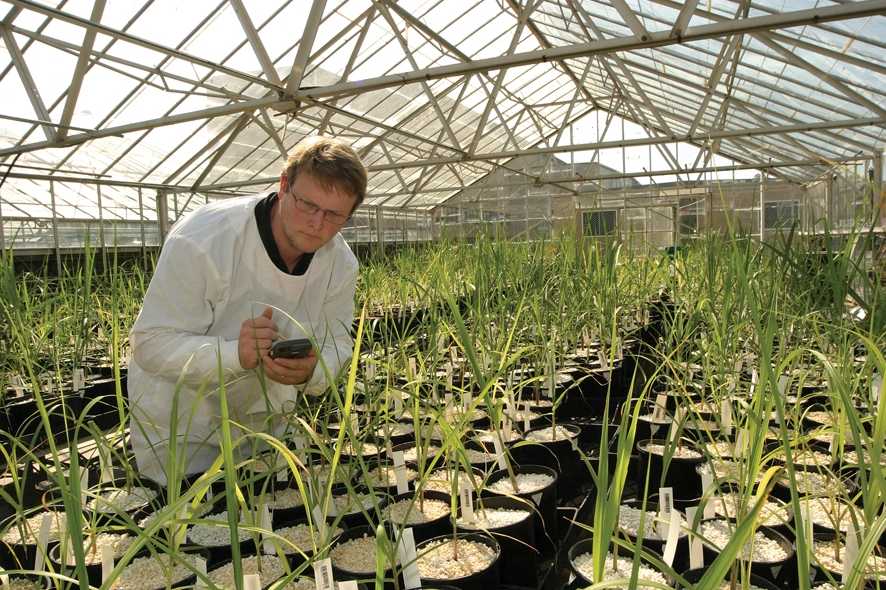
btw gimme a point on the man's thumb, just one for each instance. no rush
(268, 312)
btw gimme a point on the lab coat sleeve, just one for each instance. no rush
(336, 344)
(169, 337)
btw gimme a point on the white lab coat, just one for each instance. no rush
(213, 273)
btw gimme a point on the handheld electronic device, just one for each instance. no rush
(294, 348)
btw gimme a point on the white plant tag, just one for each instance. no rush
(4, 578)
(536, 498)
(499, 453)
(877, 388)
(251, 582)
(850, 555)
(107, 562)
(585, 338)
(679, 416)
(507, 428)
(783, 381)
(449, 371)
(180, 528)
(707, 484)
(659, 412)
(200, 566)
(408, 559)
(467, 400)
(267, 544)
(665, 509)
(754, 378)
(527, 414)
(466, 501)
(18, 385)
(370, 371)
(447, 400)
(807, 523)
(42, 540)
(320, 522)
(389, 449)
(400, 473)
(551, 378)
(348, 585)
(726, 416)
(323, 579)
(78, 380)
(412, 368)
(670, 548)
(696, 552)
(84, 484)
(453, 354)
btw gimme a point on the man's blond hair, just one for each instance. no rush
(331, 162)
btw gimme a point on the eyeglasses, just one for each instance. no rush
(309, 207)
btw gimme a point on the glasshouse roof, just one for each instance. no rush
(437, 95)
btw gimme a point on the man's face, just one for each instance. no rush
(311, 213)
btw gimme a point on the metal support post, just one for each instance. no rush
(141, 228)
(162, 215)
(58, 258)
(101, 228)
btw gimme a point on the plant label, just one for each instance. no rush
(200, 567)
(389, 449)
(251, 582)
(408, 559)
(348, 585)
(78, 380)
(453, 354)
(507, 428)
(696, 552)
(447, 400)
(679, 417)
(43, 540)
(877, 388)
(499, 451)
(179, 526)
(46, 386)
(320, 522)
(754, 378)
(527, 414)
(536, 498)
(707, 485)
(107, 562)
(585, 338)
(266, 524)
(659, 412)
(370, 371)
(806, 517)
(666, 502)
(670, 548)
(18, 385)
(850, 556)
(466, 501)
(323, 579)
(400, 473)
(4, 578)
(783, 381)
(467, 400)
(726, 416)
(413, 371)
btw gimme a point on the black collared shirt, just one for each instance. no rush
(263, 220)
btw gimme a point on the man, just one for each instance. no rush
(233, 277)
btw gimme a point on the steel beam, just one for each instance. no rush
(73, 91)
(27, 81)
(258, 47)
(630, 19)
(304, 46)
(683, 18)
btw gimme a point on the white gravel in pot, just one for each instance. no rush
(439, 481)
(820, 417)
(351, 504)
(651, 418)
(161, 571)
(720, 449)
(487, 436)
(705, 407)
(437, 561)
(725, 470)
(27, 531)
(678, 452)
(823, 553)
(814, 484)
(550, 435)
(394, 429)
(454, 413)
(416, 511)
(411, 453)
(621, 570)
(121, 500)
(851, 458)
(527, 483)
(283, 499)
(726, 585)
(772, 514)
(324, 473)
(476, 456)
(303, 537)
(831, 513)
(629, 522)
(365, 449)
(356, 555)
(541, 403)
(20, 584)
(490, 519)
(826, 586)
(807, 457)
(303, 583)
(384, 476)
(95, 544)
(761, 549)
(268, 567)
(518, 416)
(215, 535)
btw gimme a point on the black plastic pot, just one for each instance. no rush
(681, 557)
(422, 531)
(820, 573)
(343, 574)
(519, 557)
(217, 554)
(357, 518)
(135, 514)
(586, 546)
(544, 500)
(693, 576)
(21, 555)
(679, 474)
(93, 571)
(488, 578)
(781, 573)
(560, 455)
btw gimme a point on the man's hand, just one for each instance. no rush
(256, 336)
(289, 371)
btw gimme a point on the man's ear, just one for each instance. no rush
(284, 183)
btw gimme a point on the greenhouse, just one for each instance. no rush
(443, 294)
